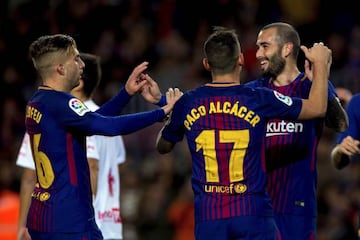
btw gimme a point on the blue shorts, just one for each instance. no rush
(91, 235)
(295, 227)
(236, 228)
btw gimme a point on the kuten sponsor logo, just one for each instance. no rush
(283, 128)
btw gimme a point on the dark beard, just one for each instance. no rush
(276, 66)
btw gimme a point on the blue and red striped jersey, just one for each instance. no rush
(225, 128)
(58, 124)
(291, 153)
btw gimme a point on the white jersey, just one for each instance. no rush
(110, 152)
(24, 157)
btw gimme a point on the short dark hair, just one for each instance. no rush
(287, 33)
(46, 49)
(91, 74)
(50, 44)
(222, 50)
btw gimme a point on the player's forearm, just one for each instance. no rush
(316, 104)
(125, 124)
(163, 146)
(319, 91)
(28, 181)
(94, 171)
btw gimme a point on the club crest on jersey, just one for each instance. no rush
(78, 107)
(285, 99)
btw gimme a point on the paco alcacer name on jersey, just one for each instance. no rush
(275, 128)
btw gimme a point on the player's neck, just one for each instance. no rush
(52, 86)
(226, 79)
(286, 77)
(57, 84)
(80, 96)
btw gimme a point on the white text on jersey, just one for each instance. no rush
(283, 128)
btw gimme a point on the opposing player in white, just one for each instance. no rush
(105, 154)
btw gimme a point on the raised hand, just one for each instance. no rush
(349, 146)
(317, 54)
(136, 79)
(150, 91)
(172, 96)
(341, 154)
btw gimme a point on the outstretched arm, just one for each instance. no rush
(129, 123)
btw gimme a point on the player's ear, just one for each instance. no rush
(60, 69)
(241, 59)
(287, 49)
(206, 64)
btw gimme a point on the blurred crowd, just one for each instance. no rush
(156, 193)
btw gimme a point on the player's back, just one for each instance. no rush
(62, 201)
(224, 127)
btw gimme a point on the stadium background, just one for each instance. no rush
(156, 195)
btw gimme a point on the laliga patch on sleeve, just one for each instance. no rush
(78, 107)
(285, 99)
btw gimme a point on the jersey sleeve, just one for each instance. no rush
(173, 130)
(277, 105)
(77, 116)
(115, 105)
